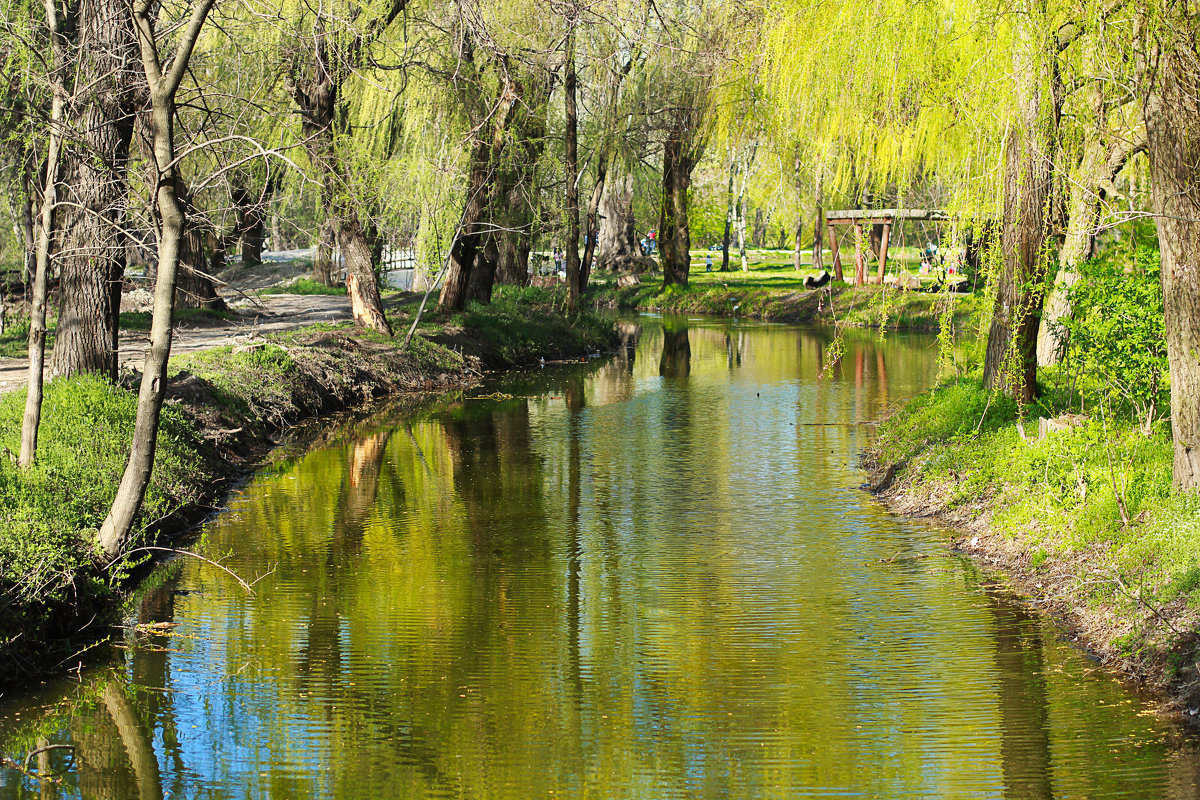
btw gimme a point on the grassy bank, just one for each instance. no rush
(1082, 519)
(779, 295)
(224, 408)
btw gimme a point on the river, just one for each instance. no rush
(648, 576)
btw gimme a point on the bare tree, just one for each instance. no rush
(172, 222)
(32, 418)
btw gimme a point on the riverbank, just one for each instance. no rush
(225, 408)
(771, 299)
(1076, 510)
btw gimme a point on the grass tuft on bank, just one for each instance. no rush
(522, 324)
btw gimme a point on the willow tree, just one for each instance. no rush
(324, 46)
(1168, 64)
(685, 71)
(503, 68)
(897, 105)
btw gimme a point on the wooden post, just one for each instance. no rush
(859, 279)
(883, 248)
(833, 246)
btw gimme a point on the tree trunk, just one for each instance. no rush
(673, 232)
(1010, 363)
(593, 218)
(118, 525)
(571, 165)
(90, 249)
(32, 418)
(616, 246)
(485, 157)
(799, 233)
(483, 273)
(760, 229)
(1100, 165)
(730, 213)
(325, 268)
(818, 254)
(1171, 106)
(455, 289)
(324, 117)
(741, 221)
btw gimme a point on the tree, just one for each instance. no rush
(1168, 65)
(89, 248)
(319, 65)
(1010, 364)
(574, 287)
(32, 417)
(504, 88)
(163, 81)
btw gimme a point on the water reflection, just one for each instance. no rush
(1024, 707)
(645, 577)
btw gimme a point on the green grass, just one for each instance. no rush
(770, 292)
(522, 324)
(306, 286)
(50, 512)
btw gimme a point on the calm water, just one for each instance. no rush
(649, 577)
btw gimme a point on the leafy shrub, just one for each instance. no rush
(1117, 350)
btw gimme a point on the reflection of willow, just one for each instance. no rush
(676, 361)
(631, 334)
(113, 749)
(733, 349)
(359, 491)
(321, 654)
(575, 404)
(1024, 723)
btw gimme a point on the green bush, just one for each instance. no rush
(1117, 352)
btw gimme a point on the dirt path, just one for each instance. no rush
(266, 314)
